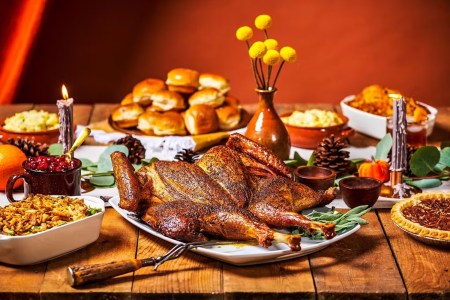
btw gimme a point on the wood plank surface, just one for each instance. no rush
(360, 266)
(117, 241)
(190, 276)
(289, 279)
(425, 269)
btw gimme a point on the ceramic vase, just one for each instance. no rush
(266, 127)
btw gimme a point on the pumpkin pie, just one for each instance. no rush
(425, 214)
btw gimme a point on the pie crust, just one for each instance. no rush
(398, 216)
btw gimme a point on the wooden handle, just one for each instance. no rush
(78, 275)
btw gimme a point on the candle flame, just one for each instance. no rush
(64, 92)
(395, 96)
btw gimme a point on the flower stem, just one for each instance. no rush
(265, 33)
(255, 73)
(263, 79)
(269, 70)
(278, 73)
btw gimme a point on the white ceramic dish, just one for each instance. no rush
(54, 242)
(374, 125)
(241, 254)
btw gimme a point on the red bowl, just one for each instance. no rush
(48, 137)
(310, 137)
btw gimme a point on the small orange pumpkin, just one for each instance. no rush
(378, 169)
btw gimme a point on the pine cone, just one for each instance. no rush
(410, 149)
(29, 147)
(136, 150)
(187, 155)
(330, 154)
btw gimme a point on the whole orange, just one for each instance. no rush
(11, 159)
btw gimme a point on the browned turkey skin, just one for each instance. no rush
(232, 192)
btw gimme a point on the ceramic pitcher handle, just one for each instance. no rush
(10, 186)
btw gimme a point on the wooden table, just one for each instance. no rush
(377, 262)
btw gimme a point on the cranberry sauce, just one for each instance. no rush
(51, 164)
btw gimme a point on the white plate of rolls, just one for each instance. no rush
(186, 103)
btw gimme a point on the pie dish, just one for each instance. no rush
(424, 215)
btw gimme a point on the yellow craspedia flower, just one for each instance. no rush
(263, 22)
(271, 44)
(244, 33)
(257, 50)
(271, 57)
(288, 54)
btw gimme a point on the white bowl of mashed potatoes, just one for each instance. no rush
(308, 128)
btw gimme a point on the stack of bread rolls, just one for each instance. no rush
(188, 102)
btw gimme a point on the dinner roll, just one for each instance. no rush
(211, 80)
(201, 118)
(143, 90)
(229, 117)
(162, 123)
(165, 100)
(182, 80)
(127, 99)
(127, 115)
(209, 96)
(233, 101)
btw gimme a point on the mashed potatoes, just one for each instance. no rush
(32, 121)
(313, 118)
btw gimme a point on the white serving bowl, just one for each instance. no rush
(54, 242)
(374, 125)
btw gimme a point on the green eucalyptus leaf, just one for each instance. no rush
(104, 161)
(86, 163)
(425, 183)
(55, 149)
(102, 181)
(424, 160)
(92, 168)
(299, 159)
(311, 159)
(445, 144)
(445, 157)
(383, 147)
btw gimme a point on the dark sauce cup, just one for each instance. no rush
(317, 178)
(65, 182)
(358, 191)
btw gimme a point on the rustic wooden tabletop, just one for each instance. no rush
(377, 262)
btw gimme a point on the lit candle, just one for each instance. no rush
(65, 112)
(398, 164)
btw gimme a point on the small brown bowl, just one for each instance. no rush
(317, 178)
(48, 137)
(358, 191)
(310, 137)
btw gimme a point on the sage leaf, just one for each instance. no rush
(102, 181)
(299, 159)
(423, 160)
(55, 149)
(104, 161)
(426, 183)
(383, 147)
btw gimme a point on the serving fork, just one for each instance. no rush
(82, 274)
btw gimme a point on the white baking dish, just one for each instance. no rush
(54, 242)
(374, 125)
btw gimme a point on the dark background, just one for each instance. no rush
(100, 49)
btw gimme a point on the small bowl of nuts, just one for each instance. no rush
(308, 128)
(38, 125)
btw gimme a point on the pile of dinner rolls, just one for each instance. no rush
(188, 102)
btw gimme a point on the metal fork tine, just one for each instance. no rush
(179, 249)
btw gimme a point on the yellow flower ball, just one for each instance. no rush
(257, 50)
(288, 54)
(244, 33)
(271, 57)
(263, 22)
(271, 44)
